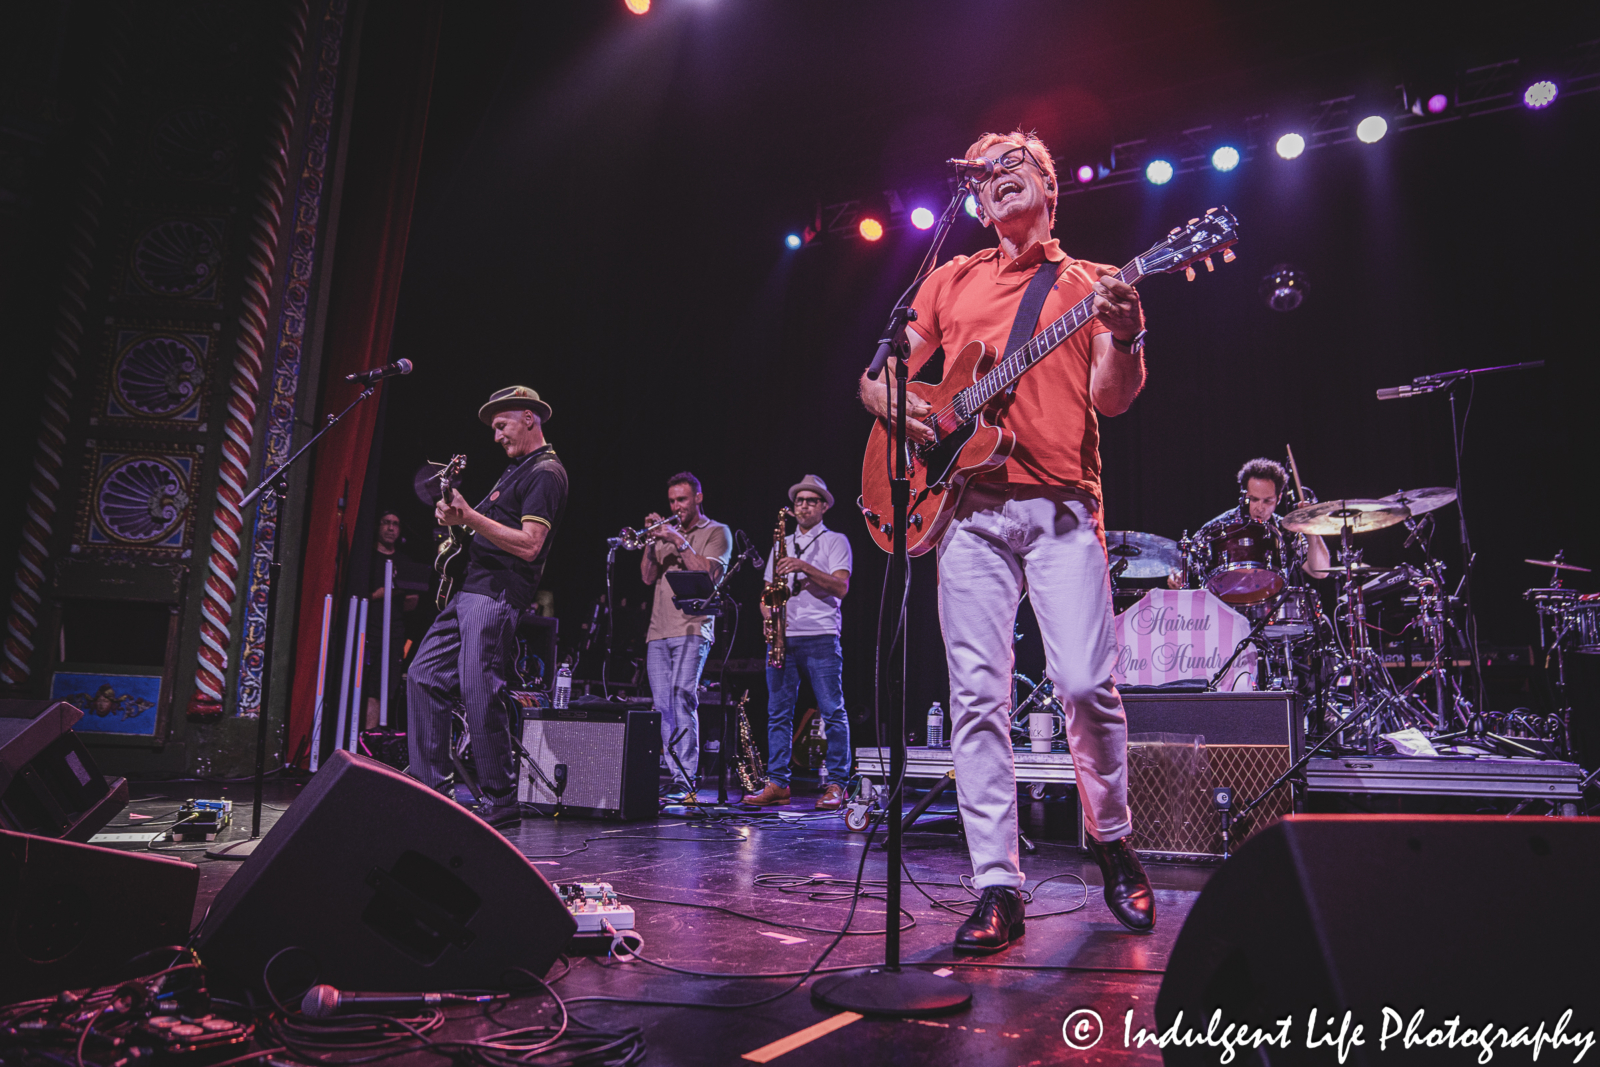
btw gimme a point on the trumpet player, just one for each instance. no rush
(815, 563)
(677, 644)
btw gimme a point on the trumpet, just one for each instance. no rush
(633, 540)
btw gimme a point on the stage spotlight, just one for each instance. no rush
(1159, 172)
(1085, 174)
(793, 241)
(1291, 145)
(1225, 158)
(972, 205)
(1540, 94)
(1371, 129)
(921, 218)
(1283, 288)
(638, 7)
(1437, 103)
(871, 229)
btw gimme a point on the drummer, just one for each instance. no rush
(1261, 483)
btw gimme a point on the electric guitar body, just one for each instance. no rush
(939, 471)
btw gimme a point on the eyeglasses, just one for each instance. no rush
(808, 501)
(1013, 159)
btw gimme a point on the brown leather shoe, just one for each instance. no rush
(832, 798)
(772, 794)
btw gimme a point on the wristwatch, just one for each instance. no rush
(1135, 345)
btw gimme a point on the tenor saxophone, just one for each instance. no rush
(748, 765)
(775, 596)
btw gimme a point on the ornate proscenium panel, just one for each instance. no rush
(157, 376)
(194, 144)
(176, 257)
(138, 499)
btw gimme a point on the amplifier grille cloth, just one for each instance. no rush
(1169, 793)
(593, 753)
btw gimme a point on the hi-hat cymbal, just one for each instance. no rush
(1148, 555)
(1421, 501)
(1556, 563)
(1330, 517)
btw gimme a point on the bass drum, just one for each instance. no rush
(1246, 563)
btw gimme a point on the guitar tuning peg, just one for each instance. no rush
(1193, 221)
(1209, 267)
(1188, 272)
(1174, 231)
(1228, 256)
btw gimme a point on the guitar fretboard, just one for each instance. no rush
(971, 399)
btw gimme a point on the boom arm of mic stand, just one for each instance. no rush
(280, 471)
(1266, 617)
(1305, 757)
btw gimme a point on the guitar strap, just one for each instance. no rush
(1028, 311)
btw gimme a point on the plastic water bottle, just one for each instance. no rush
(563, 684)
(936, 726)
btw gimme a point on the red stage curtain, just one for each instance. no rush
(393, 85)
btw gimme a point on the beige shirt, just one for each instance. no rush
(709, 539)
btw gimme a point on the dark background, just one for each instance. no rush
(604, 198)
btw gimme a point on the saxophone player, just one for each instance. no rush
(815, 562)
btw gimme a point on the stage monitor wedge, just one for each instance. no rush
(379, 883)
(1485, 919)
(49, 783)
(75, 915)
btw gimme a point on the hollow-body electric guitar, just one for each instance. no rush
(966, 441)
(450, 561)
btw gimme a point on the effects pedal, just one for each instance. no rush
(202, 820)
(594, 903)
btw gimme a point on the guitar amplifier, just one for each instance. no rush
(1249, 740)
(612, 755)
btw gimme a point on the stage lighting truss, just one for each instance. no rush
(1479, 91)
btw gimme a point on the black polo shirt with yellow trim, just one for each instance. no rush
(533, 488)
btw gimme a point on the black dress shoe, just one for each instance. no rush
(995, 922)
(1128, 892)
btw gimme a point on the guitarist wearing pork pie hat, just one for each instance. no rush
(463, 657)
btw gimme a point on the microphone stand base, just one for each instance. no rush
(878, 991)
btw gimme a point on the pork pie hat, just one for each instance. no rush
(511, 399)
(813, 483)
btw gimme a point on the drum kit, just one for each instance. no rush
(1339, 663)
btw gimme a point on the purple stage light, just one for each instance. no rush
(921, 218)
(1540, 94)
(1437, 103)
(1085, 174)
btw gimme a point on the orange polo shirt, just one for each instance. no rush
(975, 298)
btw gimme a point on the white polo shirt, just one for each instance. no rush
(828, 550)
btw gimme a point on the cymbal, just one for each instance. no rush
(1421, 501)
(1148, 555)
(1557, 564)
(1330, 517)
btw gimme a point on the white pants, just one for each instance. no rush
(1051, 547)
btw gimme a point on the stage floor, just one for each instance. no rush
(1075, 955)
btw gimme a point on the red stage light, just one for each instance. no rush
(871, 229)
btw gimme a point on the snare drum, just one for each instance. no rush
(1246, 563)
(1296, 614)
(1583, 618)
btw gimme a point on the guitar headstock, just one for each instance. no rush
(450, 474)
(1195, 241)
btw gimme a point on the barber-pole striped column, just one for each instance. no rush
(227, 522)
(22, 620)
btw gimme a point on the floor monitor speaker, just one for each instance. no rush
(379, 883)
(76, 915)
(1479, 919)
(49, 784)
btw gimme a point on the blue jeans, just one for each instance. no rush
(674, 665)
(823, 662)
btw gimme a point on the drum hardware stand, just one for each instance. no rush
(1447, 381)
(1305, 757)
